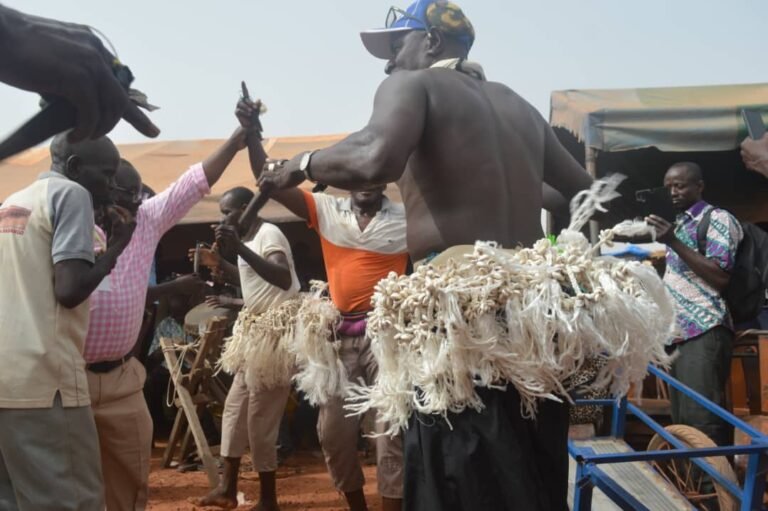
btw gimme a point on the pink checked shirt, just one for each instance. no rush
(117, 306)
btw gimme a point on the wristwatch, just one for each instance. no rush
(306, 159)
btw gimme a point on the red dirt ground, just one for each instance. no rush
(302, 484)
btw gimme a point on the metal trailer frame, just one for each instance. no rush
(589, 475)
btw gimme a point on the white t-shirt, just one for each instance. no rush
(258, 294)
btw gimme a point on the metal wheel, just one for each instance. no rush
(692, 482)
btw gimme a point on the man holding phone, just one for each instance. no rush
(698, 270)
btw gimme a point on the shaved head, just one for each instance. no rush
(685, 183)
(90, 163)
(692, 170)
(236, 198)
(61, 150)
(233, 203)
(101, 149)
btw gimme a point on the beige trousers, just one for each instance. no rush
(49, 460)
(338, 433)
(125, 434)
(252, 419)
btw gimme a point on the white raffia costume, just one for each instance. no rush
(260, 346)
(528, 318)
(321, 375)
(291, 341)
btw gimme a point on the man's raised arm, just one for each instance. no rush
(291, 198)
(378, 153)
(561, 170)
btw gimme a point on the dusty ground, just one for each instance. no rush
(302, 484)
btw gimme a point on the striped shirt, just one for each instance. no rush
(700, 307)
(355, 260)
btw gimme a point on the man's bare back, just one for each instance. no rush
(478, 169)
(470, 156)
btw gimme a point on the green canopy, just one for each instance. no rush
(679, 119)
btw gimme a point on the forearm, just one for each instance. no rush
(702, 266)
(78, 286)
(275, 274)
(359, 160)
(154, 293)
(230, 272)
(215, 165)
(256, 155)
(233, 303)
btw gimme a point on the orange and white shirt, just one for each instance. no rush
(355, 260)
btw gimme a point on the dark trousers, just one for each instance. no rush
(704, 364)
(489, 461)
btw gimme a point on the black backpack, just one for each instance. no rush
(745, 294)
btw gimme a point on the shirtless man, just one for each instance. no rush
(470, 157)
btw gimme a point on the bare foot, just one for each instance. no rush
(216, 499)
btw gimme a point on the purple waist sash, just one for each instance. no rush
(352, 325)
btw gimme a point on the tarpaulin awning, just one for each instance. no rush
(678, 119)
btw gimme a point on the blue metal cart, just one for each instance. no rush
(632, 480)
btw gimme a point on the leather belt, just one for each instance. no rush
(109, 365)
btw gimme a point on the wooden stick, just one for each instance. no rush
(252, 211)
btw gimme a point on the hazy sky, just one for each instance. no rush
(305, 59)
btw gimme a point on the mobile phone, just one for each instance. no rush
(656, 201)
(754, 121)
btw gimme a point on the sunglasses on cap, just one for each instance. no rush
(395, 14)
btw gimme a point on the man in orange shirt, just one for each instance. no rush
(362, 239)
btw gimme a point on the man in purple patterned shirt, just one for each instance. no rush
(696, 278)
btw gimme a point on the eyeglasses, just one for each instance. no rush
(396, 14)
(135, 196)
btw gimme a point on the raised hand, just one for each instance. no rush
(245, 110)
(226, 236)
(755, 154)
(282, 176)
(206, 257)
(67, 60)
(123, 223)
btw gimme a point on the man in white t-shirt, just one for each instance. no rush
(254, 405)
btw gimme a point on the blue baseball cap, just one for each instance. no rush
(420, 15)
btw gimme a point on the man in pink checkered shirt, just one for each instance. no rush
(115, 378)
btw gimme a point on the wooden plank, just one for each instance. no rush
(209, 345)
(186, 445)
(762, 353)
(179, 427)
(737, 389)
(190, 410)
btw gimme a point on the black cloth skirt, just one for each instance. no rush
(489, 461)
